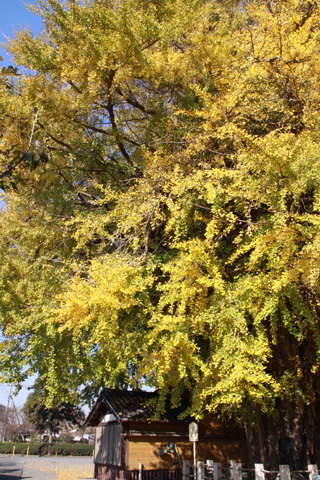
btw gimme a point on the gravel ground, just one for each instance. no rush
(52, 468)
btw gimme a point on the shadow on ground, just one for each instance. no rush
(11, 469)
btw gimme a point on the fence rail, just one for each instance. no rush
(211, 470)
(161, 474)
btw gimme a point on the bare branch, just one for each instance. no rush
(32, 131)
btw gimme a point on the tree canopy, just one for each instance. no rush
(51, 419)
(160, 163)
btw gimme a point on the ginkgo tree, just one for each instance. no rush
(160, 162)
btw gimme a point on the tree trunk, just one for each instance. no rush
(50, 442)
(282, 440)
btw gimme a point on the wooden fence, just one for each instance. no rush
(211, 470)
(158, 474)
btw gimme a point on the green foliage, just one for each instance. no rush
(45, 418)
(6, 448)
(73, 449)
(38, 448)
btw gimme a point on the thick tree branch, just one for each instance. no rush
(60, 142)
(131, 99)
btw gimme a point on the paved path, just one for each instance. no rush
(11, 468)
(46, 468)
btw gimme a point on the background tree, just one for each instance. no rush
(18, 428)
(14, 425)
(50, 420)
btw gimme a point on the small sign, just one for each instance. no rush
(193, 432)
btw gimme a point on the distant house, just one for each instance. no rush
(126, 436)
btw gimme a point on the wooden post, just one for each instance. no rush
(232, 464)
(210, 469)
(210, 464)
(259, 471)
(200, 470)
(140, 471)
(239, 471)
(284, 472)
(194, 437)
(185, 469)
(235, 470)
(313, 472)
(217, 471)
(214, 469)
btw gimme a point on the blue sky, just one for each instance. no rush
(20, 398)
(15, 15)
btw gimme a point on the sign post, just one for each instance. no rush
(193, 437)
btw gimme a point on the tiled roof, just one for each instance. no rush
(131, 405)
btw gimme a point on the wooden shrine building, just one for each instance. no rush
(127, 435)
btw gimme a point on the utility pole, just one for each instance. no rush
(5, 422)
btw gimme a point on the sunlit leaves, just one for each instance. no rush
(167, 155)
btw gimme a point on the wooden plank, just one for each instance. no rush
(104, 444)
(117, 445)
(110, 452)
(97, 446)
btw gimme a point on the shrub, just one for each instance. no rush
(40, 448)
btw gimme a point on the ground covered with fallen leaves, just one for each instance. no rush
(58, 468)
